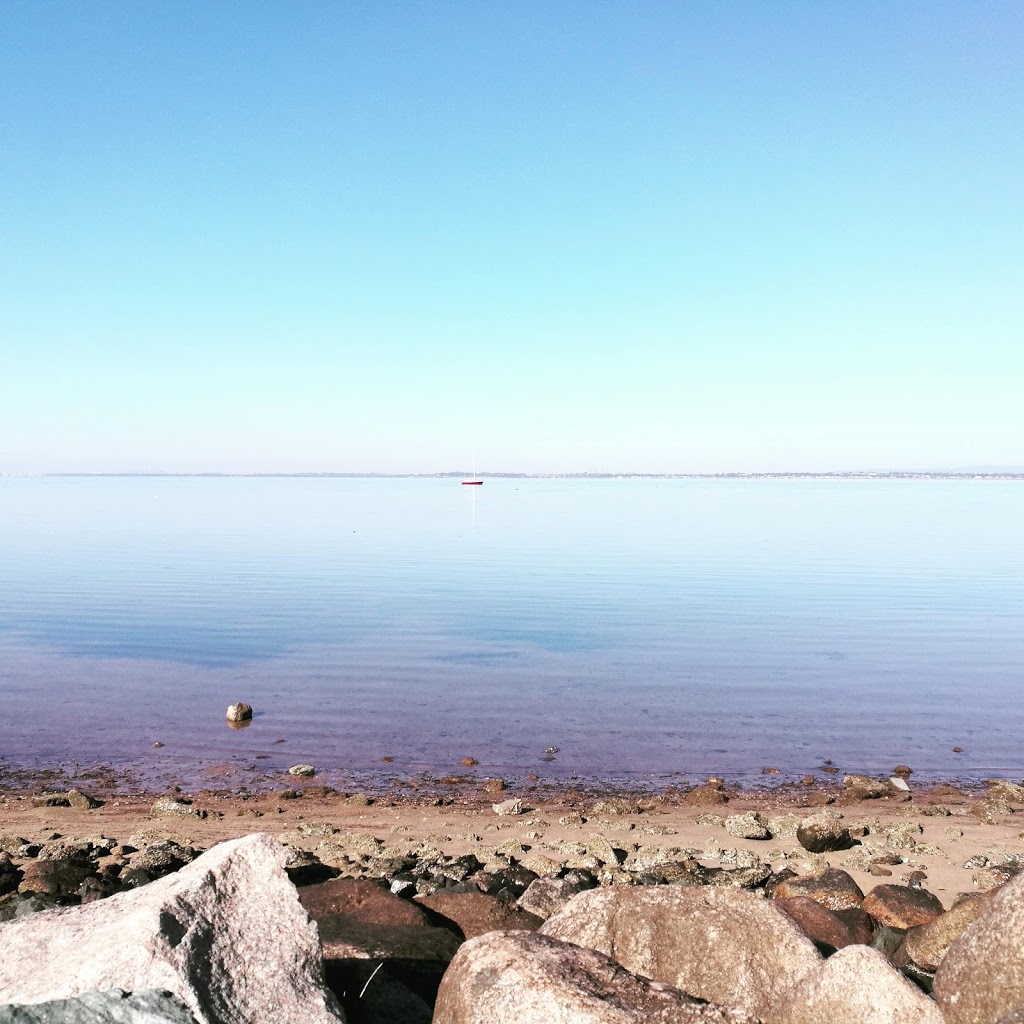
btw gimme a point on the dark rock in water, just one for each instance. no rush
(901, 906)
(831, 887)
(474, 913)
(823, 833)
(112, 1007)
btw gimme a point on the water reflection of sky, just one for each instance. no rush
(635, 612)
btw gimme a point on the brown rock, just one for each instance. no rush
(927, 944)
(821, 833)
(54, 877)
(728, 946)
(903, 770)
(494, 785)
(469, 761)
(981, 977)
(527, 978)
(475, 913)
(818, 799)
(832, 888)
(863, 787)
(362, 899)
(855, 986)
(701, 796)
(360, 919)
(901, 906)
(819, 924)
(860, 924)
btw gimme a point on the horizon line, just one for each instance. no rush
(951, 474)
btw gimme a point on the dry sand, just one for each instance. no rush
(462, 820)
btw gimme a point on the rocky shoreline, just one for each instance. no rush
(482, 902)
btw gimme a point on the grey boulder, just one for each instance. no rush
(113, 1007)
(226, 934)
(728, 946)
(527, 978)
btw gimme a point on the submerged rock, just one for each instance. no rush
(239, 712)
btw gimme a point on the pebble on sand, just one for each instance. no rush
(303, 770)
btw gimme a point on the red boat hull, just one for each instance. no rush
(472, 483)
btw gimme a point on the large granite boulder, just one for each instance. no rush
(226, 934)
(113, 1007)
(728, 946)
(527, 978)
(981, 977)
(855, 986)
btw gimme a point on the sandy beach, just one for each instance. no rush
(946, 832)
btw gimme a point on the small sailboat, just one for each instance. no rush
(474, 480)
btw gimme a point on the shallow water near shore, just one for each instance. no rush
(643, 628)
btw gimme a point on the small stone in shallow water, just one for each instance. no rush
(469, 761)
(303, 770)
(239, 712)
(157, 745)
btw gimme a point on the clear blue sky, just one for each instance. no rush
(564, 236)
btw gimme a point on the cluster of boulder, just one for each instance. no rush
(325, 925)
(228, 939)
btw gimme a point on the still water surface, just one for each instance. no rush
(641, 627)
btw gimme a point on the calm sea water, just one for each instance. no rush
(644, 628)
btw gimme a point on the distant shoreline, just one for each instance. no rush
(457, 474)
